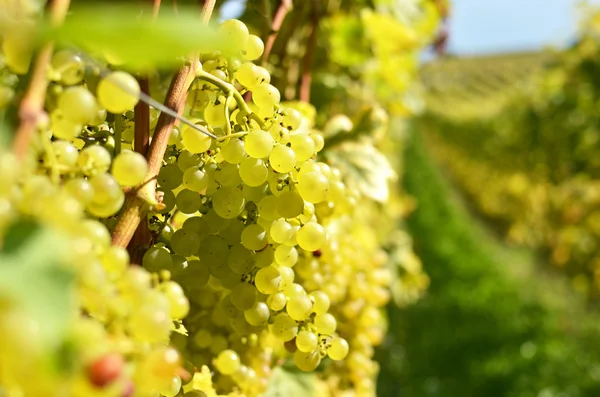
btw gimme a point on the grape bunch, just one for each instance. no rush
(253, 247)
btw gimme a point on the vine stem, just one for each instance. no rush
(31, 110)
(142, 199)
(284, 7)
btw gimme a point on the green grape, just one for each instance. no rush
(227, 306)
(299, 307)
(69, 65)
(248, 75)
(115, 260)
(307, 361)
(202, 338)
(234, 151)
(259, 144)
(98, 118)
(287, 279)
(108, 197)
(215, 222)
(195, 275)
(77, 105)
(290, 204)
(240, 259)
(264, 257)
(187, 201)
(234, 34)
(195, 180)
(262, 75)
(313, 187)
(325, 323)
(284, 327)
(254, 237)
(254, 48)
(320, 301)
(214, 114)
(213, 251)
(286, 255)
(338, 350)
(219, 344)
(303, 146)
(244, 296)
(255, 193)
(184, 242)
(195, 141)
(94, 160)
(265, 95)
(292, 118)
(267, 208)
(258, 314)
(187, 160)
(306, 341)
(178, 303)
(233, 232)
(282, 159)
(311, 236)
(276, 301)
(197, 225)
(267, 280)
(65, 153)
(180, 264)
(175, 136)
(172, 389)
(118, 92)
(228, 175)
(253, 172)
(169, 177)
(280, 231)
(149, 324)
(197, 100)
(168, 200)
(129, 168)
(96, 232)
(228, 202)
(157, 258)
(318, 140)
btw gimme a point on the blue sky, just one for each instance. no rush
(491, 26)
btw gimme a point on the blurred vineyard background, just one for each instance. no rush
(504, 165)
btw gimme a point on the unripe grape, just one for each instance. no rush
(311, 236)
(129, 168)
(240, 259)
(157, 258)
(267, 208)
(286, 255)
(321, 302)
(338, 350)
(118, 92)
(276, 301)
(290, 204)
(280, 231)
(284, 327)
(214, 114)
(170, 177)
(185, 242)
(202, 338)
(306, 341)
(234, 151)
(195, 179)
(188, 201)
(77, 104)
(303, 146)
(234, 34)
(94, 160)
(244, 296)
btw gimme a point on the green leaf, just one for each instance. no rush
(364, 167)
(128, 36)
(33, 280)
(288, 383)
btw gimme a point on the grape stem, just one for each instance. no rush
(284, 7)
(31, 110)
(141, 200)
(229, 89)
(118, 132)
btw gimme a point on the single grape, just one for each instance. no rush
(258, 314)
(118, 92)
(234, 151)
(214, 114)
(282, 159)
(267, 208)
(303, 146)
(77, 105)
(299, 307)
(254, 237)
(267, 280)
(290, 204)
(65, 153)
(170, 177)
(195, 179)
(254, 48)
(259, 144)
(228, 202)
(94, 160)
(185, 242)
(284, 327)
(307, 361)
(69, 65)
(157, 258)
(240, 259)
(194, 140)
(311, 236)
(234, 34)
(338, 350)
(306, 341)
(172, 388)
(313, 187)
(244, 296)
(286, 255)
(265, 95)
(197, 100)
(129, 168)
(321, 302)
(325, 323)
(276, 301)
(188, 201)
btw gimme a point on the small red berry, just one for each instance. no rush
(106, 369)
(317, 253)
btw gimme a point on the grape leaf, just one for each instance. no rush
(132, 38)
(364, 167)
(289, 383)
(32, 278)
